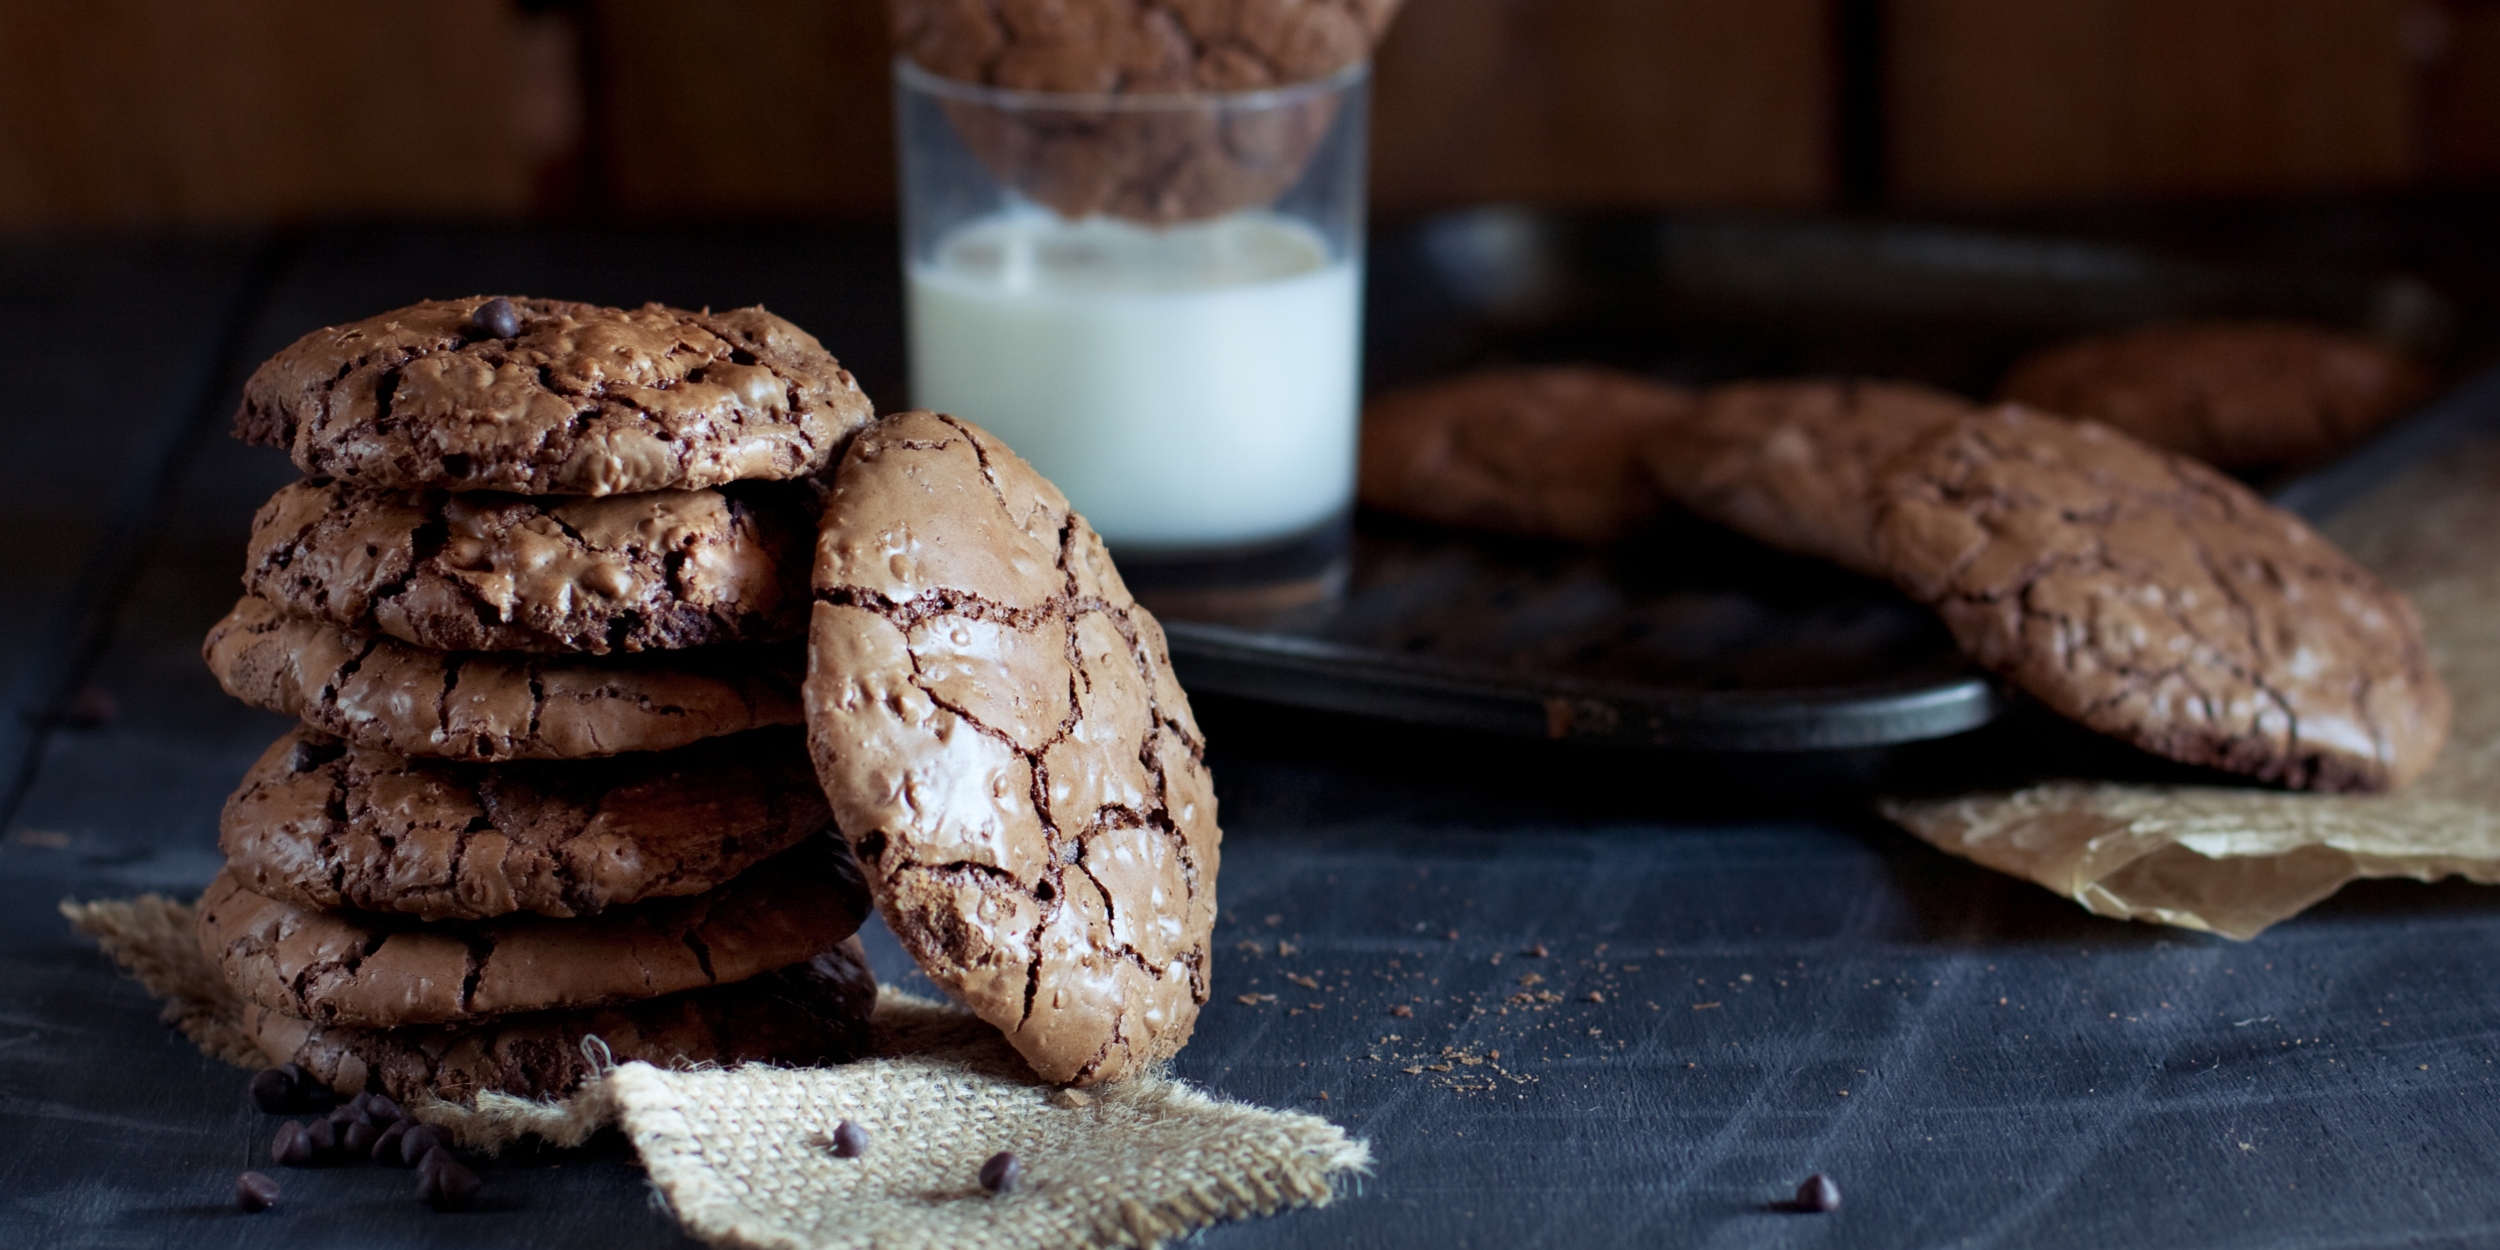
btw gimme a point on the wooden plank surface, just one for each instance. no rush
(1733, 992)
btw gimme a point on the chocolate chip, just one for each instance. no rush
(1001, 1172)
(273, 1091)
(383, 1111)
(850, 1141)
(352, 1113)
(255, 1193)
(386, 1147)
(311, 1091)
(418, 1142)
(294, 1147)
(1818, 1194)
(444, 1183)
(497, 317)
(358, 1138)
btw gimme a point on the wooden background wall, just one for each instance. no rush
(152, 112)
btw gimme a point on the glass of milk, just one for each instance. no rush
(1156, 299)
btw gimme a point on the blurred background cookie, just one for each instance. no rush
(1554, 451)
(2245, 396)
(1792, 463)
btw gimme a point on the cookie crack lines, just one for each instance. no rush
(2159, 602)
(983, 698)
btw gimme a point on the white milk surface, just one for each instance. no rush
(1192, 387)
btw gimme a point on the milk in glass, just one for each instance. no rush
(1190, 387)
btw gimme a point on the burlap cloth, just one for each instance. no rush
(2237, 860)
(740, 1154)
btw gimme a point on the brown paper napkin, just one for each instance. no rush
(2237, 860)
(740, 1154)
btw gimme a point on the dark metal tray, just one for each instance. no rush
(1687, 637)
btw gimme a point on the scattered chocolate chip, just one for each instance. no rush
(273, 1091)
(1818, 1194)
(380, 1108)
(850, 1141)
(314, 1094)
(386, 1147)
(293, 1147)
(324, 1137)
(352, 1113)
(497, 317)
(358, 1138)
(444, 1183)
(418, 1142)
(255, 1193)
(1001, 1172)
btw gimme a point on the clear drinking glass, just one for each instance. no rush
(1156, 299)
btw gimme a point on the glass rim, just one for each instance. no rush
(913, 76)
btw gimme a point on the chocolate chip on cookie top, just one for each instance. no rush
(2241, 395)
(323, 824)
(1096, 46)
(2154, 599)
(382, 693)
(811, 1013)
(998, 729)
(581, 400)
(1554, 451)
(486, 571)
(385, 971)
(1792, 464)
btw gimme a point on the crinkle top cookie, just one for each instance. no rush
(1096, 46)
(576, 400)
(1003, 744)
(2155, 600)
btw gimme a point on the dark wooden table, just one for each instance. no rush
(1735, 988)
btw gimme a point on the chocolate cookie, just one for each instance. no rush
(1548, 451)
(322, 824)
(1181, 160)
(2156, 600)
(386, 971)
(1793, 463)
(811, 1013)
(2242, 395)
(578, 400)
(484, 571)
(997, 727)
(385, 694)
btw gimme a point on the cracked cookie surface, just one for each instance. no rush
(584, 400)
(486, 571)
(811, 1013)
(322, 824)
(1138, 46)
(385, 694)
(1793, 464)
(372, 971)
(2153, 599)
(999, 733)
(1555, 451)
(1160, 165)
(2249, 396)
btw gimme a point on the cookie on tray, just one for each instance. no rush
(383, 971)
(2156, 600)
(545, 397)
(1553, 452)
(2248, 396)
(998, 730)
(323, 824)
(385, 694)
(485, 571)
(1792, 464)
(815, 1012)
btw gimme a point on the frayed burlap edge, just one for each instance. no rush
(739, 1154)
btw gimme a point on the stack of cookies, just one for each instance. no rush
(539, 605)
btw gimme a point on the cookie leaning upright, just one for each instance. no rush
(2156, 600)
(1002, 742)
(576, 400)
